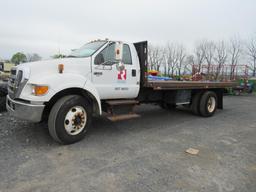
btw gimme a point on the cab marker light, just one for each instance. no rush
(61, 68)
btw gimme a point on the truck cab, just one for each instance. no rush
(100, 76)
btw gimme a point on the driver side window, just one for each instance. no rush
(107, 54)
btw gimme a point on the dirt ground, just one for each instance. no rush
(144, 154)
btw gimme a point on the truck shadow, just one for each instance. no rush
(151, 117)
(26, 134)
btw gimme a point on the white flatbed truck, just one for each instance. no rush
(102, 76)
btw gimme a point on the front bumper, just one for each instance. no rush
(24, 110)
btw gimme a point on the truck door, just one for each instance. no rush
(109, 80)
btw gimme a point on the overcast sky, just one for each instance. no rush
(45, 26)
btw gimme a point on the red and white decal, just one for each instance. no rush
(121, 75)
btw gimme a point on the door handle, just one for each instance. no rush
(97, 73)
(133, 72)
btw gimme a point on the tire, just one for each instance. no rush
(65, 114)
(3, 93)
(195, 103)
(208, 104)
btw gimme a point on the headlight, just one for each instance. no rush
(39, 90)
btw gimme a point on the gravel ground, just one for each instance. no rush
(145, 154)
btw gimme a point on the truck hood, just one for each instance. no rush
(40, 69)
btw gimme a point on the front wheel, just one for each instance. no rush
(70, 119)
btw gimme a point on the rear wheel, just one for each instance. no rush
(195, 103)
(70, 119)
(208, 104)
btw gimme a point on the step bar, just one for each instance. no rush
(115, 118)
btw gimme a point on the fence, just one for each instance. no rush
(220, 73)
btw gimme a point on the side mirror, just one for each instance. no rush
(119, 51)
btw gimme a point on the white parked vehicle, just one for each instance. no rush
(109, 76)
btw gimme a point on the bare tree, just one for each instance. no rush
(171, 58)
(165, 61)
(156, 57)
(209, 50)
(251, 52)
(220, 57)
(199, 55)
(235, 52)
(181, 58)
(189, 63)
(151, 58)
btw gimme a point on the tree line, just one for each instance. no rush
(20, 57)
(174, 59)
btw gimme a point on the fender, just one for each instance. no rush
(89, 87)
(57, 83)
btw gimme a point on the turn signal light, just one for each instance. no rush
(40, 90)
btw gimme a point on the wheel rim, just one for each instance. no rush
(75, 120)
(211, 104)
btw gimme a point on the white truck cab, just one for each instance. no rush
(100, 76)
(95, 70)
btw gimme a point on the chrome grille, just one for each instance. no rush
(14, 82)
(11, 84)
(11, 81)
(18, 79)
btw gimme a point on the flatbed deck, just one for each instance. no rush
(142, 50)
(174, 85)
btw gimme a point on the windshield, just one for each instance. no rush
(87, 50)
